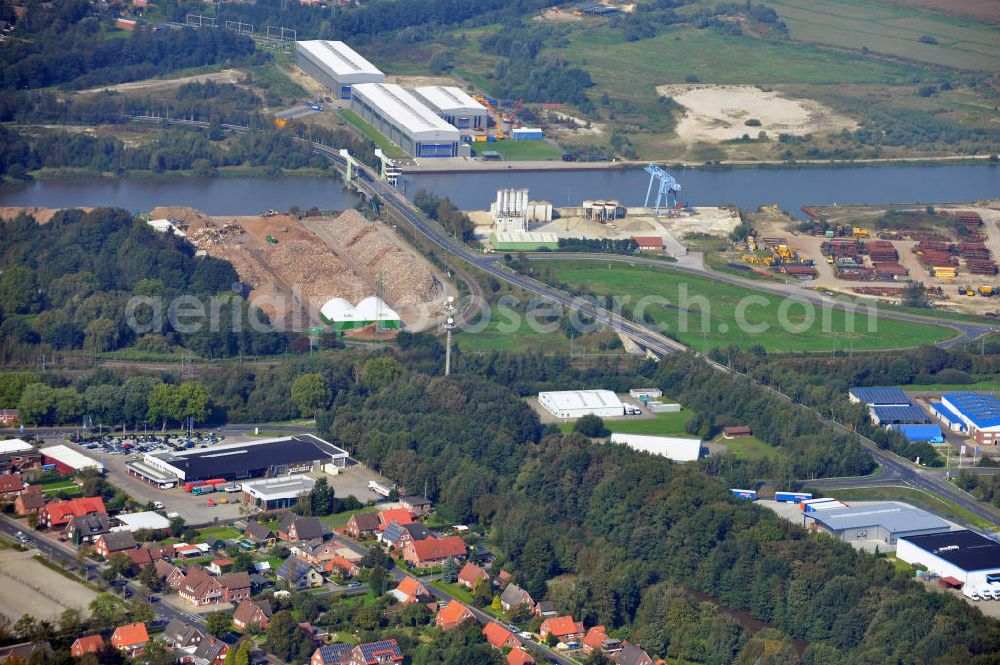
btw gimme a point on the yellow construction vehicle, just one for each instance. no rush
(280, 122)
(859, 232)
(965, 291)
(986, 291)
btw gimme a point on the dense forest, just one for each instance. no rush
(66, 43)
(67, 284)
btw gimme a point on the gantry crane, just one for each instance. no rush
(666, 195)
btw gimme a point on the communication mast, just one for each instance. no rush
(449, 326)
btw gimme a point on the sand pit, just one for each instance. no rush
(719, 113)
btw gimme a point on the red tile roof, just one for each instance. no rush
(595, 637)
(519, 656)
(400, 515)
(497, 635)
(471, 574)
(61, 512)
(11, 483)
(88, 644)
(130, 635)
(430, 549)
(649, 241)
(560, 626)
(411, 587)
(453, 614)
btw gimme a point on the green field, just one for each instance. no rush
(702, 313)
(749, 448)
(521, 150)
(935, 504)
(391, 150)
(662, 424)
(993, 385)
(892, 30)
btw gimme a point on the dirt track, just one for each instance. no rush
(28, 587)
(146, 85)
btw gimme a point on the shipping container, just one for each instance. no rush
(745, 494)
(203, 489)
(794, 497)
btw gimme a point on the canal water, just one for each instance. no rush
(747, 188)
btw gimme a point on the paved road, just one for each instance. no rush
(369, 185)
(67, 557)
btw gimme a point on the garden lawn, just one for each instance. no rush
(702, 313)
(749, 448)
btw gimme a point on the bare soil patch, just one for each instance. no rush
(149, 85)
(416, 81)
(986, 10)
(28, 587)
(41, 215)
(719, 113)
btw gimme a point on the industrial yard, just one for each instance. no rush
(297, 264)
(875, 251)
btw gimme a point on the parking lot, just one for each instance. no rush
(352, 480)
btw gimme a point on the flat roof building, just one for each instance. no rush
(966, 556)
(577, 403)
(674, 448)
(276, 493)
(899, 415)
(879, 396)
(948, 417)
(145, 520)
(885, 522)
(335, 65)
(979, 411)
(68, 460)
(921, 433)
(454, 105)
(267, 458)
(404, 120)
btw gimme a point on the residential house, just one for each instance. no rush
(316, 551)
(597, 639)
(387, 517)
(294, 528)
(85, 645)
(59, 513)
(219, 566)
(110, 543)
(452, 615)
(514, 596)
(499, 637)
(341, 567)
(415, 504)
(519, 656)
(411, 590)
(18, 455)
(252, 613)
(130, 638)
(87, 529)
(338, 653)
(199, 587)
(29, 501)
(632, 654)
(22, 652)
(182, 637)
(210, 651)
(362, 525)
(296, 574)
(235, 586)
(10, 485)
(471, 575)
(433, 551)
(145, 554)
(397, 535)
(376, 653)
(504, 578)
(259, 534)
(171, 575)
(545, 609)
(259, 582)
(563, 629)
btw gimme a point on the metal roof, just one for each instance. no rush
(920, 432)
(448, 98)
(947, 414)
(980, 408)
(71, 458)
(911, 415)
(892, 517)
(15, 446)
(340, 58)
(966, 549)
(405, 110)
(285, 487)
(881, 396)
(572, 400)
(675, 448)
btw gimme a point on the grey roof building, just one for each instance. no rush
(878, 521)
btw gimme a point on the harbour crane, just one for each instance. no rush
(666, 195)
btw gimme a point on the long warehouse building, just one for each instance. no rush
(405, 120)
(335, 65)
(454, 105)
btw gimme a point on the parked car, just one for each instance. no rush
(211, 503)
(21, 537)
